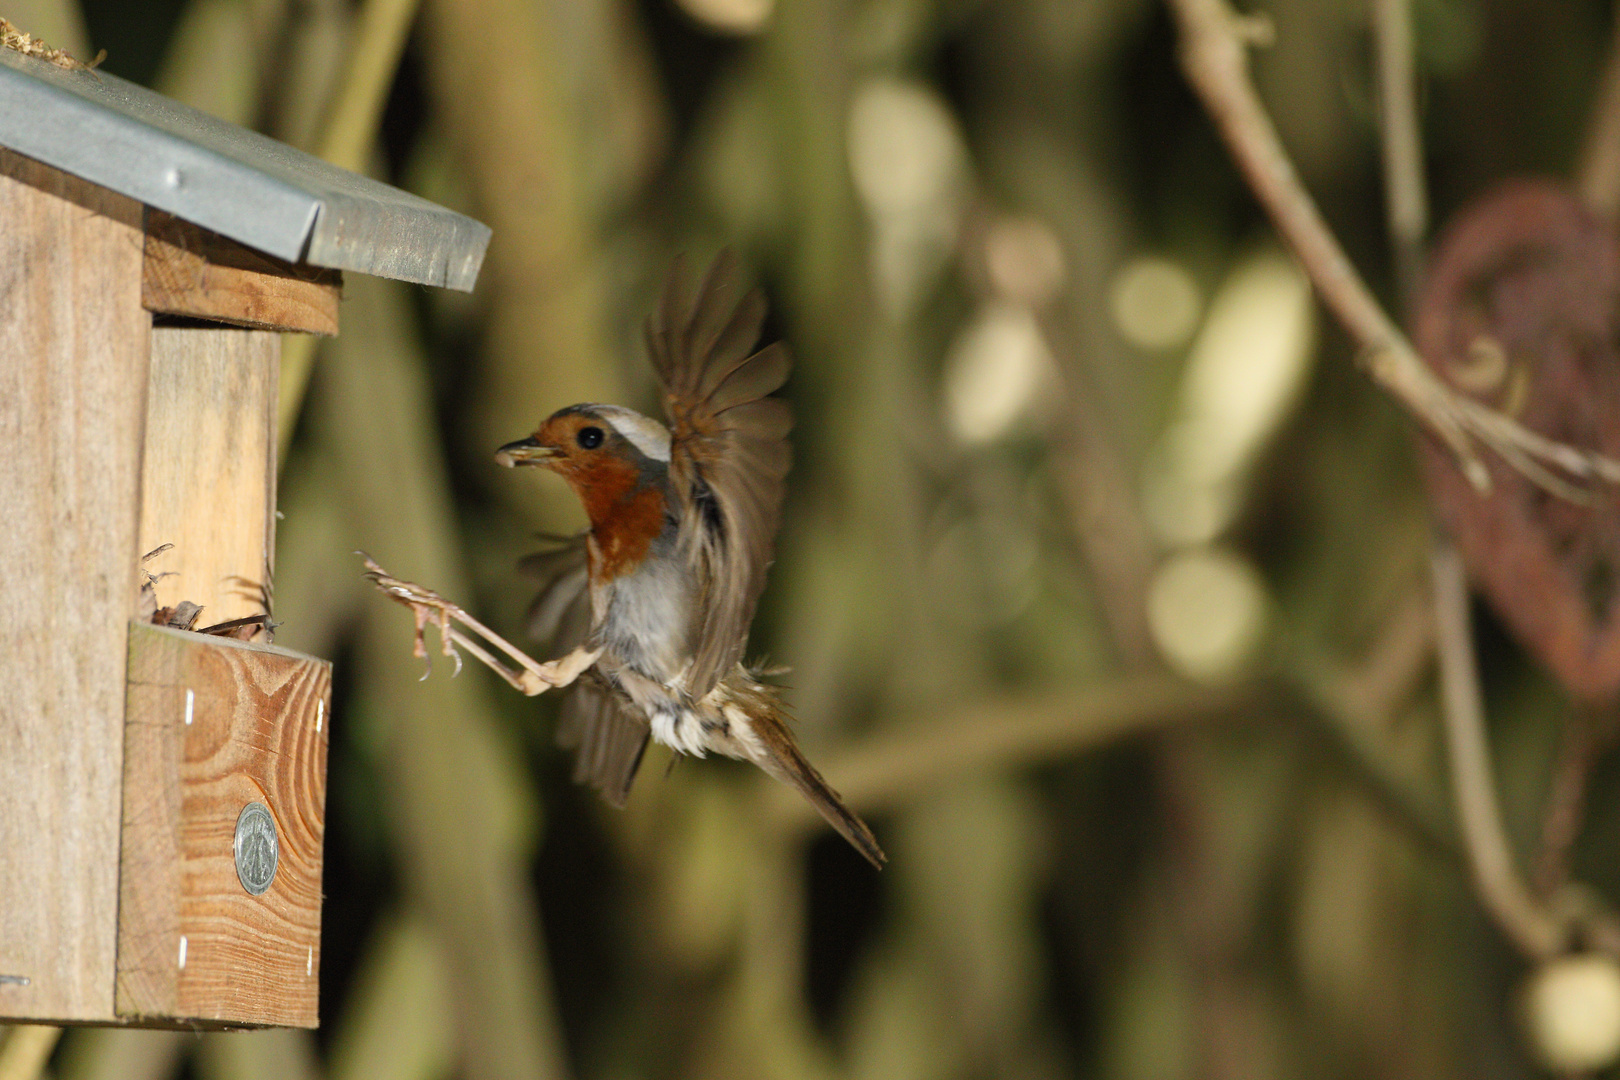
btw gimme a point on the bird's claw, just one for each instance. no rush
(425, 604)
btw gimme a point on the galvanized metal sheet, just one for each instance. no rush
(236, 182)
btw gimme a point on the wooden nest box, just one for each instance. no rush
(162, 792)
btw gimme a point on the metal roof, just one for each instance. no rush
(236, 182)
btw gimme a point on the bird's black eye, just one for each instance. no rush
(589, 437)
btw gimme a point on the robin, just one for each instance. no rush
(683, 521)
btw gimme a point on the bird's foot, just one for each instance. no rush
(565, 669)
(530, 676)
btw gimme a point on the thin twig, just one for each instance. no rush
(1531, 927)
(1103, 510)
(1391, 669)
(1215, 40)
(1353, 713)
(1565, 810)
(1598, 176)
(1405, 193)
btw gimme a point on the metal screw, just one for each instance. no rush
(257, 850)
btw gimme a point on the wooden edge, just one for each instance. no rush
(73, 377)
(192, 272)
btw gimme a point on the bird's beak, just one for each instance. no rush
(524, 452)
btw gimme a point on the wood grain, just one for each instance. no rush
(73, 356)
(191, 271)
(257, 734)
(208, 474)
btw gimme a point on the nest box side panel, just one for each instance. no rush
(208, 472)
(216, 727)
(72, 399)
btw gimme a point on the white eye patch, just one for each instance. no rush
(644, 433)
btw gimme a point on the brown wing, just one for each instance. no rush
(559, 617)
(729, 453)
(607, 739)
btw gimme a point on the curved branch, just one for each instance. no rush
(1505, 894)
(1214, 43)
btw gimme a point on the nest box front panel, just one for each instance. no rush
(224, 816)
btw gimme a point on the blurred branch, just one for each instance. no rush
(1404, 190)
(122, 1054)
(1011, 732)
(1005, 733)
(396, 1020)
(1395, 663)
(459, 808)
(497, 71)
(1103, 511)
(1565, 809)
(1215, 40)
(1530, 926)
(270, 1054)
(1598, 175)
(379, 40)
(26, 1049)
(1539, 930)
(1356, 706)
(351, 128)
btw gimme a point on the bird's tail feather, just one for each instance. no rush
(784, 761)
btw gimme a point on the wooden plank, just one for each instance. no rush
(191, 271)
(73, 354)
(194, 944)
(208, 474)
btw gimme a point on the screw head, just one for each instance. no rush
(257, 850)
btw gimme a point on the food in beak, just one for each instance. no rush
(523, 452)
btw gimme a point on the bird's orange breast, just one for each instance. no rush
(626, 514)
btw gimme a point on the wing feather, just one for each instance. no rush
(761, 373)
(716, 303)
(607, 738)
(729, 455)
(735, 342)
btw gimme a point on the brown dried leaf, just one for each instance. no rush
(29, 45)
(1521, 311)
(183, 616)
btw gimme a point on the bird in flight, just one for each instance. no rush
(662, 587)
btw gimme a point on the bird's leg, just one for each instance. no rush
(565, 669)
(530, 676)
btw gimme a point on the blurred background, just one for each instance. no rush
(1103, 582)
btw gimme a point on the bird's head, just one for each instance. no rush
(603, 451)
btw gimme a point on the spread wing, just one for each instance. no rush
(729, 454)
(607, 739)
